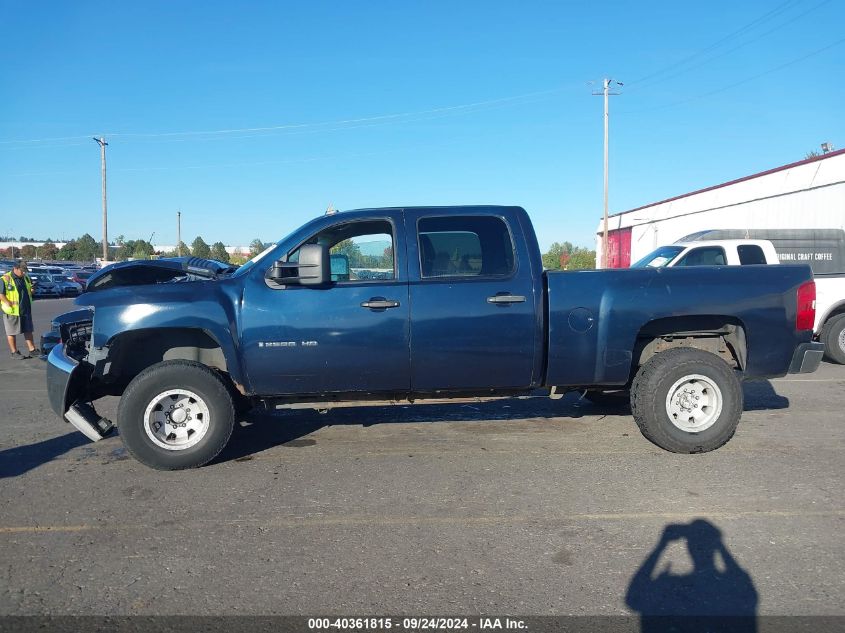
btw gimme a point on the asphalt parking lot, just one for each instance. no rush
(522, 507)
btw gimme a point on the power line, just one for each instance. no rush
(731, 50)
(742, 81)
(343, 123)
(763, 18)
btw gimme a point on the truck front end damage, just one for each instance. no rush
(69, 374)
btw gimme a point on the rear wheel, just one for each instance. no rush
(176, 414)
(833, 337)
(686, 400)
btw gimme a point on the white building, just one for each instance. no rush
(809, 194)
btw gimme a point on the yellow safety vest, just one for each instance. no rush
(10, 289)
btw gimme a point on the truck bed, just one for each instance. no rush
(596, 316)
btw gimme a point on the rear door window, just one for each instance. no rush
(750, 254)
(465, 246)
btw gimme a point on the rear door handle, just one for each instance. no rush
(506, 299)
(379, 303)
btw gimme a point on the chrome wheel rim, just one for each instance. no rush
(694, 403)
(842, 339)
(176, 419)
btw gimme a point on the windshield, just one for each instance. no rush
(659, 257)
(252, 262)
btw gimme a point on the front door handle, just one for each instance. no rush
(379, 303)
(505, 299)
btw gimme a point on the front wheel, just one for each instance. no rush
(686, 400)
(175, 414)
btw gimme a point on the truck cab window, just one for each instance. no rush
(705, 256)
(359, 251)
(465, 246)
(750, 254)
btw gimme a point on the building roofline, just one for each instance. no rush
(734, 182)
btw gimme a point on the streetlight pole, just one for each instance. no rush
(179, 234)
(102, 143)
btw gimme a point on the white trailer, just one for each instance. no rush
(809, 194)
(799, 207)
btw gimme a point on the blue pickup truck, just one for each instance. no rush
(418, 304)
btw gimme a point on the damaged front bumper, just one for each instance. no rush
(67, 380)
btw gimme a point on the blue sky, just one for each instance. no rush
(397, 103)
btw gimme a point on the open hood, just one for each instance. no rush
(156, 271)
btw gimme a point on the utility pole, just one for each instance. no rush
(179, 234)
(102, 143)
(606, 93)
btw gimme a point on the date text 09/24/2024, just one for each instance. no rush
(416, 623)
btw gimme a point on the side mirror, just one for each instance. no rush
(312, 269)
(314, 266)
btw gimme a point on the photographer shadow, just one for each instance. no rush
(716, 595)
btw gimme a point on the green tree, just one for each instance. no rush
(185, 251)
(348, 248)
(200, 249)
(124, 249)
(48, 250)
(568, 257)
(27, 251)
(68, 251)
(255, 247)
(142, 249)
(582, 259)
(87, 248)
(218, 252)
(387, 258)
(557, 255)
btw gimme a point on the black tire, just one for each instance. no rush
(150, 385)
(833, 337)
(651, 388)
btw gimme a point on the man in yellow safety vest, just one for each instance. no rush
(16, 302)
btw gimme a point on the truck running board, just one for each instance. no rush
(340, 404)
(88, 422)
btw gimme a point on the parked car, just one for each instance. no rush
(464, 311)
(43, 286)
(710, 253)
(67, 286)
(824, 254)
(80, 276)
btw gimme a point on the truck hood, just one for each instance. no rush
(156, 271)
